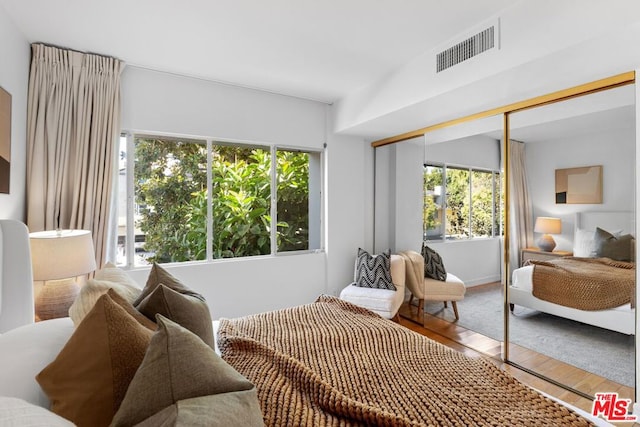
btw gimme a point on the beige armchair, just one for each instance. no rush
(384, 302)
(427, 289)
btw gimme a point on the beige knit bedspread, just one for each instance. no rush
(585, 283)
(332, 363)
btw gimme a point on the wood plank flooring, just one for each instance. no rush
(474, 344)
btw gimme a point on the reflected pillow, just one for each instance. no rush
(433, 264)
(584, 244)
(620, 248)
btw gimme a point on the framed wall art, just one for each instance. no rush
(579, 185)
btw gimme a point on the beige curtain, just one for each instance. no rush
(73, 126)
(521, 212)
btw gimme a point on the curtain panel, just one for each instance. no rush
(73, 126)
(521, 211)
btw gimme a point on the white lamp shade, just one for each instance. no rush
(61, 254)
(548, 225)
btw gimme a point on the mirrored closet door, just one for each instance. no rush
(572, 227)
(445, 189)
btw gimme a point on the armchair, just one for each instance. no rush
(427, 289)
(384, 302)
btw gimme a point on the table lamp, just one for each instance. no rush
(547, 226)
(58, 257)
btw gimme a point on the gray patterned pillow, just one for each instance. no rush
(433, 265)
(373, 271)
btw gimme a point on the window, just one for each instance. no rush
(433, 205)
(467, 206)
(190, 200)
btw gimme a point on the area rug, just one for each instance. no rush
(600, 351)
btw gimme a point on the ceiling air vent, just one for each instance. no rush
(466, 49)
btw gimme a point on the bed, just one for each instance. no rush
(324, 363)
(621, 318)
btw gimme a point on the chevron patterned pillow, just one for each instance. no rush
(433, 265)
(373, 271)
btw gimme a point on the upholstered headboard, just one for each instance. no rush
(617, 221)
(16, 280)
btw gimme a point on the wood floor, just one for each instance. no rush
(474, 344)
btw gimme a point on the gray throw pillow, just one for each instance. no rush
(373, 271)
(617, 248)
(433, 264)
(178, 366)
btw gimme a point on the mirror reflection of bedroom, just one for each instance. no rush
(564, 335)
(573, 168)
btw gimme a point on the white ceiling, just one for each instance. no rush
(315, 49)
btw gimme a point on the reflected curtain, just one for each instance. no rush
(73, 125)
(521, 212)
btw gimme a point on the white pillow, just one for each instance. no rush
(25, 351)
(17, 412)
(111, 273)
(106, 278)
(584, 244)
(93, 290)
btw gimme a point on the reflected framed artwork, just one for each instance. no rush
(579, 185)
(5, 140)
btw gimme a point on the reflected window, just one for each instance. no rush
(461, 203)
(433, 219)
(458, 203)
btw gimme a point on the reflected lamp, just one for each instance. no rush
(547, 226)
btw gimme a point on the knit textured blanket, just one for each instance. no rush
(332, 363)
(585, 283)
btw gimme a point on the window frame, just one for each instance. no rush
(496, 196)
(317, 187)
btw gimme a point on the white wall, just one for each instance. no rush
(545, 46)
(349, 206)
(161, 102)
(613, 149)
(478, 151)
(14, 78)
(244, 286)
(399, 203)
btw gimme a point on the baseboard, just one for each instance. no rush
(482, 281)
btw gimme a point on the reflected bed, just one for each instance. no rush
(619, 318)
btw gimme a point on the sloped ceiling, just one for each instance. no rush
(320, 50)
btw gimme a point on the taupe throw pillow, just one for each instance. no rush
(89, 378)
(236, 408)
(177, 366)
(187, 310)
(433, 264)
(159, 275)
(126, 305)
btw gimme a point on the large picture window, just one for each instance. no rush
(191, 200)
(460, 203)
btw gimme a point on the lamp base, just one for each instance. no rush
(55, 298)
(546, 243)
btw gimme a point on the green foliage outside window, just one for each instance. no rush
(472, 200)
(171, 192)
(457, 203)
